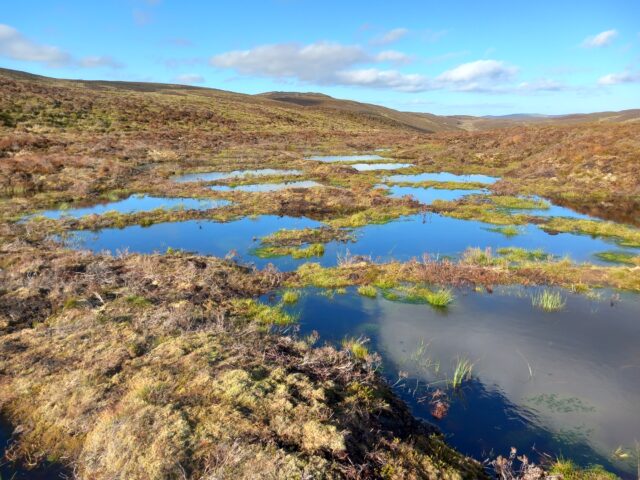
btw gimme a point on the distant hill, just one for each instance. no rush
(423, 122)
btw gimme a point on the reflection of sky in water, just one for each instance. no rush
(344, 158)
(213, 176)
(266, 187)
(366, 167)
(442, 177)
(402, 240)
(202, 236)
(428, 195)
(585, 390)
(138, 203)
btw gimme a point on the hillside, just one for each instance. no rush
(422, 122)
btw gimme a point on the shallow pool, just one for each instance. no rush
(566, 382)
(428, 195)
(137, 203)
(443, 177)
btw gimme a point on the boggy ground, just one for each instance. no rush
(153, 367)
(164, 366)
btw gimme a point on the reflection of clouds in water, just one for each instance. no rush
(585, 360)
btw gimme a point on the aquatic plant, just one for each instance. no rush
(507, 230)
(548, 300)
(368, 291)
(518, 255)
(461, 372)
(290, 297)
(357, 347)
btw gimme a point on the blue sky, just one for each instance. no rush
(460, 57)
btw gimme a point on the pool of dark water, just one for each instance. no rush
(565, 383)
(213, 176)
(443, 177)
(266, 187)
(137, 203)
(403, 239)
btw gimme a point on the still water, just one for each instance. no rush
(566, 382)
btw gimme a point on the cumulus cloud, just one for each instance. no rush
(480, 70)
(16, 46)
(386, 79)
(99, 61)
(316, 62)
(602, 39)
(393, 56)
(617, 78)
(542, 85)
(326, 63)
(189, 78)
(391, 36)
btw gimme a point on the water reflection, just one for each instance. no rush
(566, 382)
(443, 177)
(137, 203)
(428, 195)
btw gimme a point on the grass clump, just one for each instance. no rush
(264, 314)
(549, 301)
(440, 298)
(315, 250)
(518, 255)
(461, 373)
(570, 471)
(289, 297)
(314, 275)
(519, 203)
(356, 347)
(368, 291)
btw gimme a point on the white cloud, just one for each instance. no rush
(389, 79)
(542, 85)
(480, 70)
(316, 62)
(326, 63)
(617, 78)
(390, 37)
(99, 61)
(16, 46)
(602, 39)
(393, 56)
(189, 78)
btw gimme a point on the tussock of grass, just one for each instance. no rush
(290, 297)
(370, 216)
(264, 314)
(519, 203)
(315, 250)
(548, 300)
(356, 347)
(368, 291)
(570, 471)
(519, 255)
(461, 373)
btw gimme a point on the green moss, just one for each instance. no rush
(570, 471)
(613, 256)
(263, 314)
(137, 301)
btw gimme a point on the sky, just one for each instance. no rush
(455, 57)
